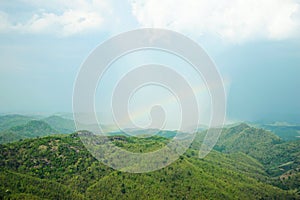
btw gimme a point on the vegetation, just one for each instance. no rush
(32, 129)
(60, 167)
(18, 186)
(281, 159)
(8, 121)
(17, 127)
(60, 124)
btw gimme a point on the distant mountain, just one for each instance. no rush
(34, 167)
(284, 131)
(247, 157)
(145, 133)
(243, 138)
(61, 124)
(33, 128)
(280, 158)
(8, 121)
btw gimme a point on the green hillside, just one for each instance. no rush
(17, 127)
(32, 129)
(9, 121)
(63, 160)
(258, 143)
(249, 140)
(281, 159)
(60, 124)
(18, 186)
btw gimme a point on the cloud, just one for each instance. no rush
(68, 23)
(234, 20)
(62, 18)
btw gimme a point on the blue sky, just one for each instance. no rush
(255, 44)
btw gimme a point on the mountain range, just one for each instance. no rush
(16, 127)
(246, 163)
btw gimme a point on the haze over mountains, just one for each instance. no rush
(246, 163)
(16, 127)
(170, 67)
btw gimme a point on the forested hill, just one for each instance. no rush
(60, 124)
(32, 129)
(8, 121)
(16, 127)
(59, 167)
(281, 159)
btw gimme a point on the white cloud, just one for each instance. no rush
(69, 23)
(62, 18)
(234, 20)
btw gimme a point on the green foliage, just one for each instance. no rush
(33, 128)
(187, 178)
(8, 121)
(18, 186)
(35, 168)
(60, 158)
(276, 155)
(140, 145)
(18, 127)
(60, 124)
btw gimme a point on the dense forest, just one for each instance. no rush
(247, 163)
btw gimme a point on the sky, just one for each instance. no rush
(254, 43)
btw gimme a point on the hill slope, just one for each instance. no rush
(9, 121)
(18, 186)
(60, 124)
(281, 159)
(32, 129)
(64, 160)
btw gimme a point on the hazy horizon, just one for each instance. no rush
(258, 58)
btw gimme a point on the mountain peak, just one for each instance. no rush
(240, 127)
